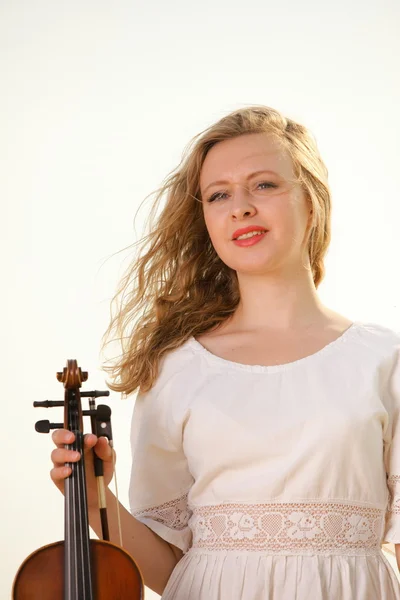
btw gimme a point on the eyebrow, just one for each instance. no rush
(222, 181)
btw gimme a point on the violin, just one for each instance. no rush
(79, 568)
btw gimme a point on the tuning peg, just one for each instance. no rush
(95, 394)
(45, 426)
(49, 403)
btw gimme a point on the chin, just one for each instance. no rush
(251, 268)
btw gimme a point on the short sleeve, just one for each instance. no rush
(392, 454)
(160, 478)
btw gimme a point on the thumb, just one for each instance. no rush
(103, 449)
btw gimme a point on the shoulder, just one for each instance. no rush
(176, 362)
(378, 347)
(377, 337)
(175, 368)
(162, 408)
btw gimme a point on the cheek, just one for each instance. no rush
(219, 234)
(288, 216)
(216, 223)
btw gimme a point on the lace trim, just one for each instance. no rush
(321, 527)
(174, 514)
(280, 528)
(393, 484)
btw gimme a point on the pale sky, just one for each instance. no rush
(98, 101)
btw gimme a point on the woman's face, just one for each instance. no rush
(271, 199)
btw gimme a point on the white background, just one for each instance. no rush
(98, 100)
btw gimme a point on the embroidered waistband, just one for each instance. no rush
(305, 527)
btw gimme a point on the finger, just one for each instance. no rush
(59, 456)
(89, 440)
(103, 449)
(58, 474)
(62, 436)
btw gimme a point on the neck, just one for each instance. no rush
(278, 303)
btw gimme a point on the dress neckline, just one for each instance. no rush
(327, 349)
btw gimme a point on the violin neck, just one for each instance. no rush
(77, 563)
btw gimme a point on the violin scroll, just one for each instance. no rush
(72, 376)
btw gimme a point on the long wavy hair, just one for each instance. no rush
(176, 285)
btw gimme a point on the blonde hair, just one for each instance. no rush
(177, 286)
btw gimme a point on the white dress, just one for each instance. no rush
(277, 482)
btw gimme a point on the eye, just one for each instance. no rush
(218, 195)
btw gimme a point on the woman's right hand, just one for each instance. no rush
(61, 455)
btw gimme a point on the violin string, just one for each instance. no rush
(73, 517)
(81, 578)
(83, 527)
(116, 494)
(72, 527)
(68, 533)
(70, 545)
(79, 540)
(75, 535)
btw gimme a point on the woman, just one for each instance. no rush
(266, 450)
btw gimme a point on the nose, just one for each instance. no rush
(241, 203)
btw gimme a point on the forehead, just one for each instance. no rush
(231, 159)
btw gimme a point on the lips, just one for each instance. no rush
(250, 241)
(238, 233)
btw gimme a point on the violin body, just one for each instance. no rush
(41, 575)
